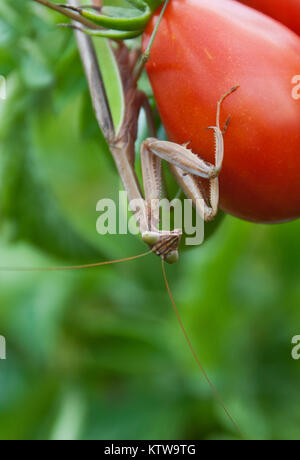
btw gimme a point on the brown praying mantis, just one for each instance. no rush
(187, 168)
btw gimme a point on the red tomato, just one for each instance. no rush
(202, 49)
(285, 11)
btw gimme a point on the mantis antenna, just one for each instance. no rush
(73, 267)
(199, 364)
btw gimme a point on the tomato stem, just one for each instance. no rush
(127, 22)
(122, 19)
(146, 55)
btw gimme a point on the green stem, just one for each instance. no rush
(154, 33)
(146, 55)
(110, 21)
(126, 22)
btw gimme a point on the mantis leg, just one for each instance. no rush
(165, 243)
(189, 170)
(206, 206)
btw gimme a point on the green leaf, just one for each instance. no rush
(112, 80)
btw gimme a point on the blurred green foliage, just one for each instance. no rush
(99, 354)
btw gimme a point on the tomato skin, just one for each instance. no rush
(202, 49)
(285, 11)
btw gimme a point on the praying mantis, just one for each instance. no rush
(188, 168)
